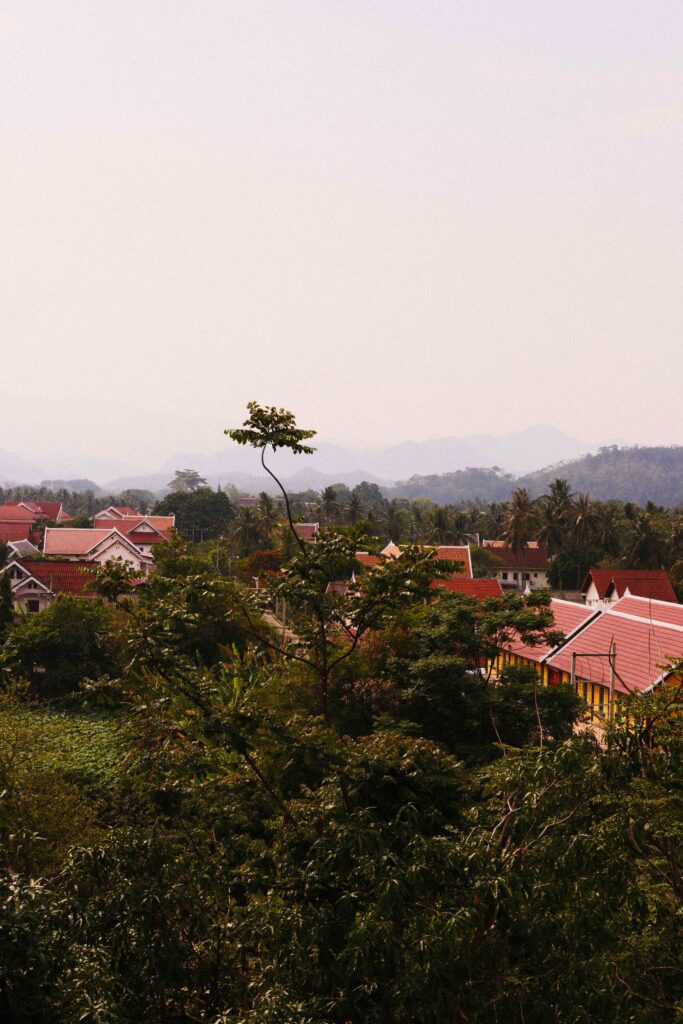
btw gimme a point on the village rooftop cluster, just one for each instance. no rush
(619, 633)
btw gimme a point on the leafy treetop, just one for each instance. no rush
(272, 426)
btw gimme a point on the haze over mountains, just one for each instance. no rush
(518, 452)
(485, 473)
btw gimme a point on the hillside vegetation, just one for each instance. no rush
(623, 474)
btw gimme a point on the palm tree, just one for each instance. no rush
(607, 528)
(267, 516)
(394, 521)
(645, 545)
(328, 505)
(554, 517)
(552, 527)
(560, 493)
(583, 529)
(354, 508)
(493, 520)
(419, 517)
(246, 530)
(441, 526)
(520, 522)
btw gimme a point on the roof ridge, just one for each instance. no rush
(646, 621)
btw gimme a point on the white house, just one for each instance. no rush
(529, 568)
(95, 546)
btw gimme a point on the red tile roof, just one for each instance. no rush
(118, 512)
(646, 635)
(73, 542)
(50, 509)
(62, 577)
(16, 531)
(16, 514)
(568, 616)
(129, 527)
(41, 509)
(453, 553)
(475, 588)
(652, 583)
(366, 559)
(532, 557)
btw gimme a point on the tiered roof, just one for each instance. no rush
(533, 556)
(135, 527)
(456, 553)
(653, 583)
(569, 617)
(81, 543)
(61, 577)
(40, 509)
(645, 634)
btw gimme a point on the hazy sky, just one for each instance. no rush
(399, 219)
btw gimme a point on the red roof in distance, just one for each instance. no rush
(16, 514)
(456, 553)
(532, 557)
(61, 577)
(129, 526)
(41, 509)
(17, 531)
(481, 589)
(653, 583)
(367, 560)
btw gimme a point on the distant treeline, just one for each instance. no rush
(622, 474)
(79, 502)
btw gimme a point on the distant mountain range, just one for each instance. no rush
(517, 452)
(447, 470)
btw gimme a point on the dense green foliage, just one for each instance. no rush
(208, 813)
(200, 514)
(55, 649)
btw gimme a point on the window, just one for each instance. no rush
(514, 575)
(504, 575)
(33, 606)
(601, 699)
(526, 576)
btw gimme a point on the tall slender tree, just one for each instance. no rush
(328, 507)
(354, 508)
(583, 529)
(267, 516)
(521, 521)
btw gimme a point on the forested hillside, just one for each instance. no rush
(463, 486)
(624, 474)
